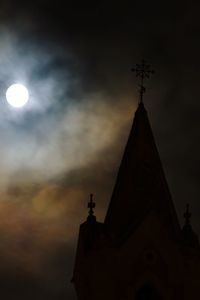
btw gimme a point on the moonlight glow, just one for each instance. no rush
(17, 95)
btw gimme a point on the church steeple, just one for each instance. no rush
(140, 251)
(141, 185)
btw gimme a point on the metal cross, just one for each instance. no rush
(143, 71)
(91, 205)
(187, 215)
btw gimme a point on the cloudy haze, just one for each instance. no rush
(68, 141)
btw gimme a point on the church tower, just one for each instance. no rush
(140, 252)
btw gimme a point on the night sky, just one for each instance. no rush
(76, 61)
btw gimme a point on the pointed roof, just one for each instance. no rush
(141, 185)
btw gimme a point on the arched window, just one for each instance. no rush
(147, 292)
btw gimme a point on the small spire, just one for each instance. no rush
(91, 206)
(189, 237)
(187, 215)
(143, 71)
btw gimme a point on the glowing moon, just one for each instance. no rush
(17, 95)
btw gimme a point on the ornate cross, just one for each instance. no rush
(187, 215)
(143, 71)
(91, 205)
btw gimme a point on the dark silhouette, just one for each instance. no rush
(140, 241)
(147, 292)
(143, 71)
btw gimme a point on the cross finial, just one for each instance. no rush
(91, 205)
(187, 215)
(143, 71)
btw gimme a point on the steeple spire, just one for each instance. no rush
(143, 71)
(140, 186)
(91, 206)
(189, 237)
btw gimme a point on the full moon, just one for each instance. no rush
(17, 95)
